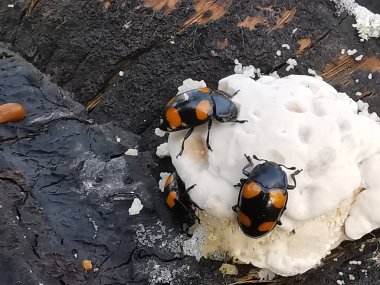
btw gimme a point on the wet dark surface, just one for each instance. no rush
(64, 175)
(66, 189)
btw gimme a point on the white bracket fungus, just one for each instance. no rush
(297, 121)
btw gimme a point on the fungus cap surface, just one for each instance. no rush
(297, 121)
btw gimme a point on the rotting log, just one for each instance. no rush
(83, 45)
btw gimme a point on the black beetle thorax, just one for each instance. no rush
(269, 175)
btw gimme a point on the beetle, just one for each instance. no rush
(263, 196)
(177, 198)
(196, 107)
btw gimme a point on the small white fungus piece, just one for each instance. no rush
(343, 51)
(121, 73)
(313, 72)
(161, 183)
(357, 80)
(249, 70)
(118, 139)
(351, 277)
(295, 30)
(351, 52)
(286, 46)
(358, 93)
(228, 269)
(136, 207)
(359, 58)
(11, 5)
(278, 53)
(266, 275)
(274, 74)
(340, 282)
(162, 150)
(370, 76)
(132, 152)
(190, 84)
(292, 63)
(127, 25)
(159, 132)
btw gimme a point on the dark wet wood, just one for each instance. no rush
(83, 45)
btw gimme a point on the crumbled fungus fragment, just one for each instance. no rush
(11, 112)
(228, 269)
(86, 265)
(136, 207)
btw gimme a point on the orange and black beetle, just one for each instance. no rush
(263, 197)
(178, 200)
(196, 107)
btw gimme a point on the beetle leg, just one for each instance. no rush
(279, 223)
(208, 134)
(184, 139)
(235, 208)
(228, 95)
(245, 172)
(191, 187)
(239, 121)
(250, 164)
(196, 206)
(291, 187)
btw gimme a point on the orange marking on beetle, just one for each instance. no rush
(169, 180)
(251, 190)
(170, 200)
(278, 198)
(244, 219)
(11, 112)
(266, 226)
(204, 90)
(203, 109)
(173, 117)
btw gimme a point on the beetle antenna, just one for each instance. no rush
(259, 159)
(248, 158)
(290, 168)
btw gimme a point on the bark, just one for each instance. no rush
(73, 168)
